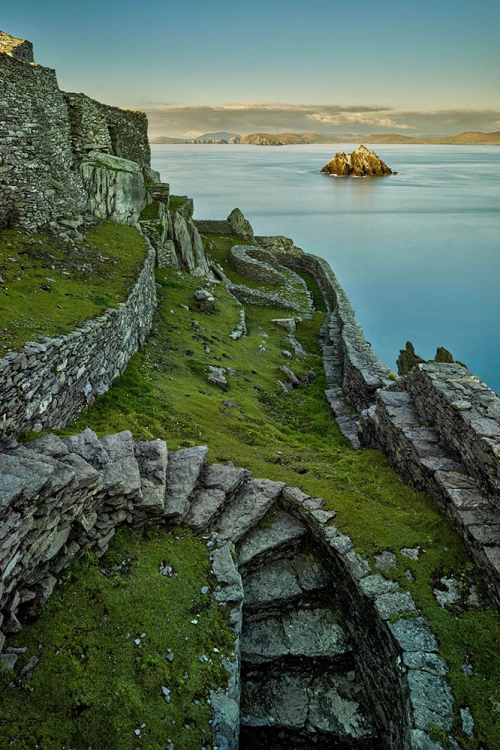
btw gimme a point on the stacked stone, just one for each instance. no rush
(44, 385)
(257, 264)
(382, 681)
(435, 455)
(35, 146)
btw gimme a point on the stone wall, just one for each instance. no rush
(466, 414)
(99, 127)
(256, 263)
(44, 385)
(209, 226)
(363, 373)
(36, 159)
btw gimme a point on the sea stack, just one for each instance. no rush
(358, 164)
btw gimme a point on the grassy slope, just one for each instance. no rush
(165, 393)
(94, 685)
(52, 287)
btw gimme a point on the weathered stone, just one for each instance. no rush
(250, 505)
(285, 532)
(414, 635)
(152, 458)
(183, 470)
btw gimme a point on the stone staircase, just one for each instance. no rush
(299, 683)
(347, 420)
(318, 654)
(423, 456)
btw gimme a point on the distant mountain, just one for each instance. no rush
(470, 138)
(221, 136)
(289, 139)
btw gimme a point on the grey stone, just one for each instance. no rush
(414, 635)
(152, 458)
(183, 470)
(334, 708)
(8, 662)
(224, 567)
(358, 567)
(467, 721)
(425, 661)
(205, 505)
(375, 585)
(420, 741)
(288, 323)
(121, 474)
(251, 503)
(278, 701)
(385, 560)
(394, 603)
(239, 225)
(314, 632)
(225, 721)
(431, 699)
(310, 572)
(451, 592)
(271, 585)
(284, 532)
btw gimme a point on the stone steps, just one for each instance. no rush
(284, 582)
(265, 543)
(394, 425)
(251, 503)
(305, 632)
(219, 484)
(346, 418)
(305, 709)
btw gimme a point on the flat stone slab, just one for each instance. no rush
(284, 531)
(329, 704)
(253, 500)
(152, 458)
(283, 580)
(204, 507)
(304, 632)
(334, 707)
(183, 471)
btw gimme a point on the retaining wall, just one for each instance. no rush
(44, 385)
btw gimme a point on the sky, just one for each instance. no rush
(426, 67)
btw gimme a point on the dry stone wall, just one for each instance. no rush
(44, 385)
(36, 159)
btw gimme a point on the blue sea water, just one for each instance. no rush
(418, 253)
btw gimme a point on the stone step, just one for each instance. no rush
(219, 484)
(183, 472)
(299, 706)
(394, 425)
(305, 632)
(152, 459)
(251, 503)
(284, 582)
(348, 423)
(264, 543)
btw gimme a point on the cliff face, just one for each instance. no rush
(358, 164)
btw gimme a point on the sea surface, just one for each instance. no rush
(418, 253)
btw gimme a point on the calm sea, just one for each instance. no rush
(418, 253)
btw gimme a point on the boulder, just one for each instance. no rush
(358, 164)
(239, 225)
(114, 186)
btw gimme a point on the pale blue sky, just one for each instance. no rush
(406, 56)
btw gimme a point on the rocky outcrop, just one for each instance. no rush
(360, 163)
(114, 186)
(18, 48)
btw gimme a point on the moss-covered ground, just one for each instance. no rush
(105, 643)
(165, 393)
(48, 286)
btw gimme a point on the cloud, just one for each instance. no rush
(276, 117)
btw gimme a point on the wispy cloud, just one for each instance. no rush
(275, 117)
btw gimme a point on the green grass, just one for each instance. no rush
(52, 287)
(94, 686)
(150, 212)
(165, 393)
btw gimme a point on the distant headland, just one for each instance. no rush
(469, 138)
